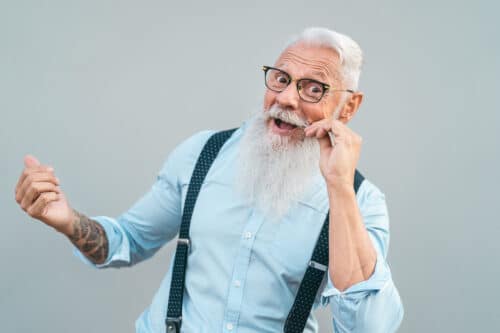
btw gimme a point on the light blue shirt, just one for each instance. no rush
(244, 269)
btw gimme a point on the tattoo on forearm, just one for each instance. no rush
(90, 238)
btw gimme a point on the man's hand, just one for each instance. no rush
(38, 193)
(352, 257)
(338, 161)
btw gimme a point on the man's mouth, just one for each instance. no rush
(284, 125)
(283, 128)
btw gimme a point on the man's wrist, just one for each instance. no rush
(340, 186)
(68, 228)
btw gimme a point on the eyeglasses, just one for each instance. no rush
(309, 90)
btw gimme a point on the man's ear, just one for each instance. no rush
(351, 107)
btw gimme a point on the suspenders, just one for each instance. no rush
(318, 265)
(205, 160)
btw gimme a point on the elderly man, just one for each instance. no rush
(255, 216)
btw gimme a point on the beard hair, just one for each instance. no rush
(275, 170)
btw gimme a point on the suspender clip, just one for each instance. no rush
(184, 241)
(173, 324)
(317, 265)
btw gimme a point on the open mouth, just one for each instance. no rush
(283, 128)
(283, 125)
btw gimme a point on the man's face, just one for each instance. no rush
(311, 62)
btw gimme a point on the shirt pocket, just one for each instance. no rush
(294, 240)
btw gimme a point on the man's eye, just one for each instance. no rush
(314, 89)
(282, 79)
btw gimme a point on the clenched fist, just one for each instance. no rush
(38, 193)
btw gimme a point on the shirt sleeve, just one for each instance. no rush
(155, 218)
(373, 305)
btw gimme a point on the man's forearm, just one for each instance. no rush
(352, 255)
(89, 237)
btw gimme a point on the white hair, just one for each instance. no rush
(350, 54)
(274, 170)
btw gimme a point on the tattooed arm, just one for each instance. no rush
(38, 193)
(89, 237)
(133, 236)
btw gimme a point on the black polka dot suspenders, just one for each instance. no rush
(313, 276)
(210, 150)
(318, 266)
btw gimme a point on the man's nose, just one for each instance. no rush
(288, 98)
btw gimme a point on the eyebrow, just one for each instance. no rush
(313, 74)
(320, 74)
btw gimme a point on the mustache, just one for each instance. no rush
(287, 116)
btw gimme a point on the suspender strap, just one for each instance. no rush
(313, 276)
(208, 154)
(318, 266)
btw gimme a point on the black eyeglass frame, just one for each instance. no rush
(326, 87)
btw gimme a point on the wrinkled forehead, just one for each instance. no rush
(311, 61)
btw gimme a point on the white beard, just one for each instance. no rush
(275, 170)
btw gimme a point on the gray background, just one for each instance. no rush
(104, 90)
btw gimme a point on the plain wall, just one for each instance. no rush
(104, 90)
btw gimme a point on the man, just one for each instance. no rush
(260, 209)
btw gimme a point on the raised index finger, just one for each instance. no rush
(320, 124)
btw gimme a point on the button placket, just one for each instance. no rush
(241, 264)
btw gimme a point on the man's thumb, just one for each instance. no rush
(30, 161)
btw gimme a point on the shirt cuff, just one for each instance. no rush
(375, 282)
(118, 245)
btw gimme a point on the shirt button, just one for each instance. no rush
(247, 235)
(229, 326)
(237, 283)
